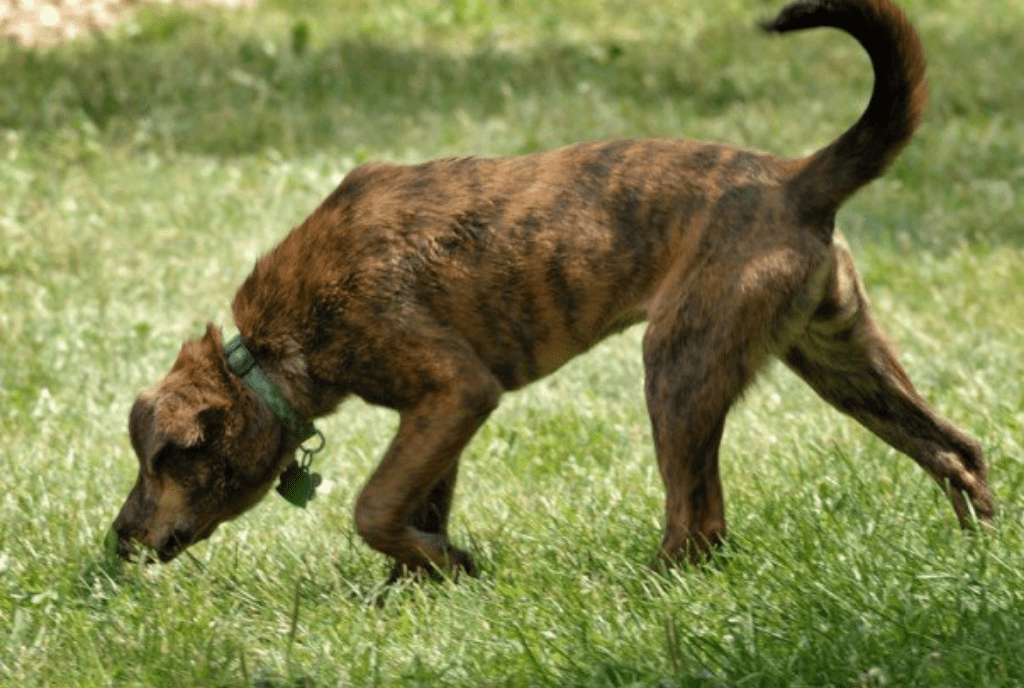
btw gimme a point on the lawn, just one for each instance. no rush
(143, 170)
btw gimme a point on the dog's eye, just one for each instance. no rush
(177, 462)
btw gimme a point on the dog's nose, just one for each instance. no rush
(117, 545)
(120, 541)
(126, 549)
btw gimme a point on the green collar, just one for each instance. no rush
(244, 364)
(298, 485)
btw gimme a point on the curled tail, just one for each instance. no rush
(864, 151)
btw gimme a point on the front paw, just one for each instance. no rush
(454, 562)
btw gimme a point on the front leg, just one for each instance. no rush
(431, 518)
(403, 509)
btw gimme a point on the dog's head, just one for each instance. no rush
(208, 450)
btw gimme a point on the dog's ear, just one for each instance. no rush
(189, 405)
(146, 440)
(213, 343)
(160, 419)
(202, 357)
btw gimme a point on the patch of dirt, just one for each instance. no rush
(46, 22)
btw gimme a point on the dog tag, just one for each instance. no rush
(298, 485)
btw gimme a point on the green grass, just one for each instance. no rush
(141, 174)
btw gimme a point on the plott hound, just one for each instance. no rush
(432, 289)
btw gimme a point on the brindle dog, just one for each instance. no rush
(432, 289)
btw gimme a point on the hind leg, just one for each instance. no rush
(853, 365)
(697, 364)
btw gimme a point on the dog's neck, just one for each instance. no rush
(244, 364)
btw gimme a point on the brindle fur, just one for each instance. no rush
(432, 289)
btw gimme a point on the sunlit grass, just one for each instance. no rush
(142, 174)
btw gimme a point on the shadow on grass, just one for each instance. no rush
(185, 83)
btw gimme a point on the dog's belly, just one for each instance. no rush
(518, 362)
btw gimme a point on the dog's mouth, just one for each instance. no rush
(180, 540)
(137, 552)
(133, 550)
(174, 545)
